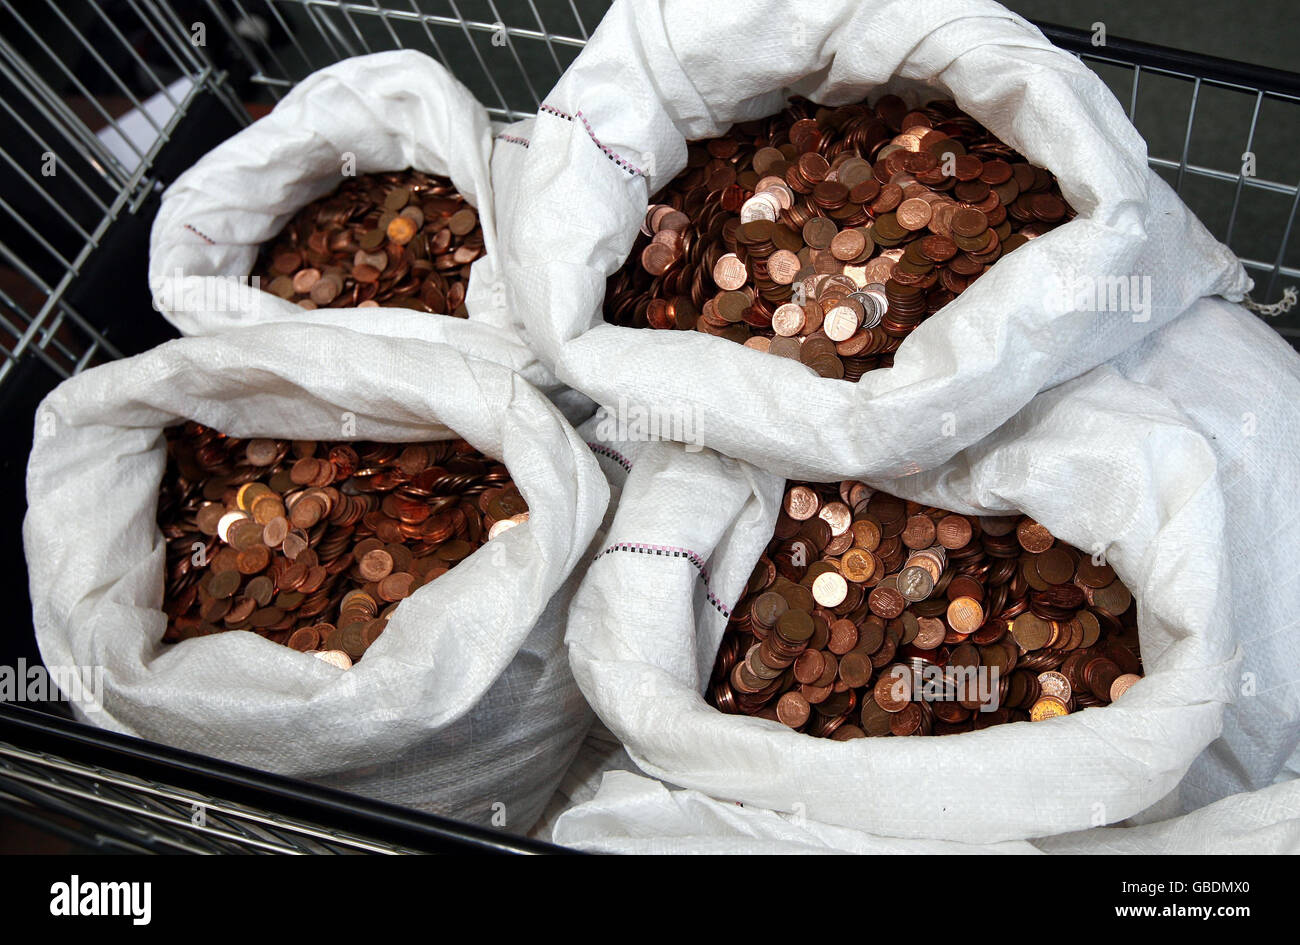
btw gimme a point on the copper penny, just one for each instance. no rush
(919, 533)
(857, 565)
(893, 692)
(1033, 537)
(953, 532)
(844, 637)
(1122, 684)
(792, 709)
(788, 320)
(801, 503)
(965, 615)
(914, 214)
(808, 666)
(886, 602)
(1055, 566)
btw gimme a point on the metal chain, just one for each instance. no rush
(1273, 309)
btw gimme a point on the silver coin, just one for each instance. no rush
(763, 206)
(915, 583)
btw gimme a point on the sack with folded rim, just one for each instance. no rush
(466, 700)
(1098, 460)
(369, 114)
(614, 131)
(1242, 793)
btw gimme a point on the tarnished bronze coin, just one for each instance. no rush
(855, 669)
(919, 532)
(886, 602)
(1095, 574)
(893, 691)
(1031, 631)
(808, 666)
(908, 720)
(930, 633)
(953, 532)
(1055, 565)
(1114, 598)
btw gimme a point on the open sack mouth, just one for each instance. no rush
(826, 235)
(313, 545)
(867, 616)
(400, 240)
(297, 487)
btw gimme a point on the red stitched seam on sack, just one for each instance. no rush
(609, 152)
(513, 140)
(203, 236)
(602, 450)
(671, 552)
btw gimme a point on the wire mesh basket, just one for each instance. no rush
(104, 102)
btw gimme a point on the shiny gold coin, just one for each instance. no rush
(1048, 707)
(857, 565)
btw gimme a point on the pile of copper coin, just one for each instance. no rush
(869, 615)
(826, 235)
(314, 544)
(402, 240)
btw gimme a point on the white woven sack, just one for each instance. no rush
(655, 75)
(464, 702)
(370, 114)
(1097, 460)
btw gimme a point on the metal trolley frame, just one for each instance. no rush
(102, 104)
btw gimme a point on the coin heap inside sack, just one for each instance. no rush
(869, 615)
(401, 240)
(313, 544)
(826, 235)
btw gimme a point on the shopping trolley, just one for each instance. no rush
(104, 102)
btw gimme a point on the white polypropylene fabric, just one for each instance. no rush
(1101, 461)
(464, 702)
(632, 814)
(1238, 383)
(369, 114)
(654, 75)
